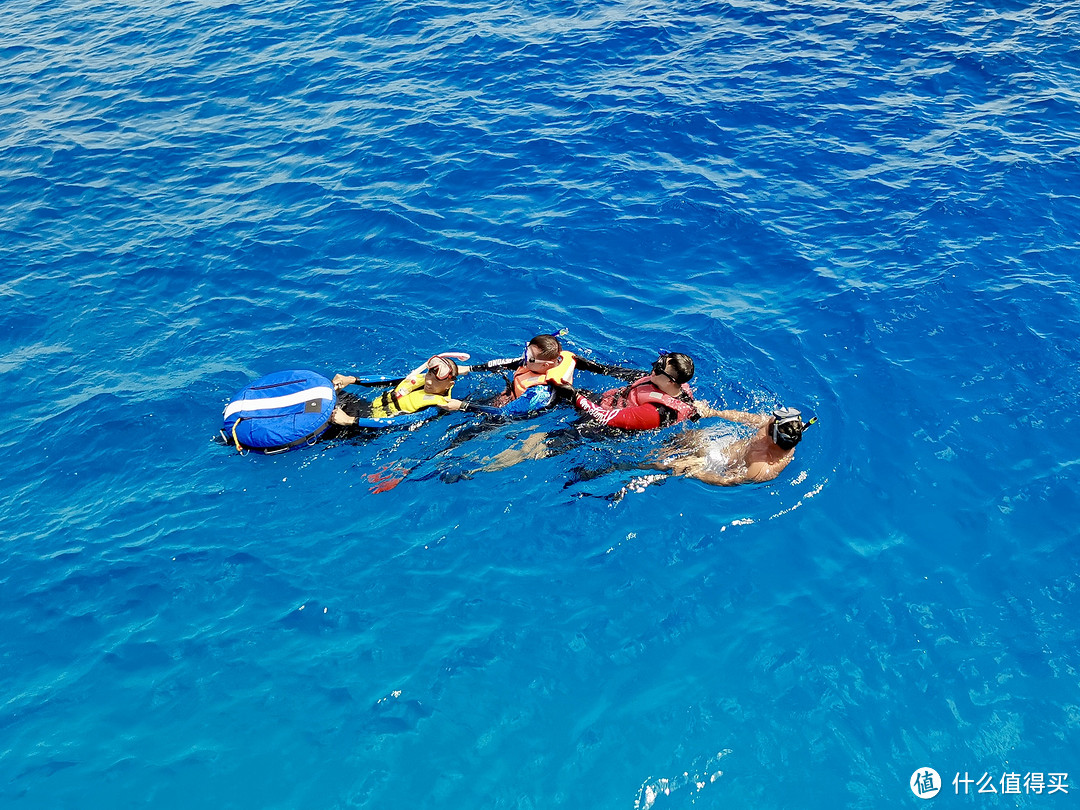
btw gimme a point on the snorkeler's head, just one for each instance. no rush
(441, 373)
(543, 348)
(786, 427)
(676, 366)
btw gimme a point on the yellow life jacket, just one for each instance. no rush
(563, 372)
(408, 397)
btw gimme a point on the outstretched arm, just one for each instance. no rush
(757, 420)
(716, 479)
(339, 417)
(340, 381)
(456, 405)
(635, 417)
(492, 365)
(629, 374)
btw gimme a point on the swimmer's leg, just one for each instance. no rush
(537, 445)
(534, 446)
(581, 474)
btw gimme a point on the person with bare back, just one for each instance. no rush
(760, 457)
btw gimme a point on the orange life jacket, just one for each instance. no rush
(562, 372)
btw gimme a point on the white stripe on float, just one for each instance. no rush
(322, 392)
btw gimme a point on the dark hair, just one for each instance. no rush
(682, 366)
(547, 347)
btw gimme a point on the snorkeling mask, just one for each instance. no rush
(442, 368)
(658, 366)
(684, 367)
(787, 427)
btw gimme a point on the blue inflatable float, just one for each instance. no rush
(280, 411)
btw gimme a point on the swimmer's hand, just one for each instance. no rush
(341, 380)
(459, 405)
(339, 417)
(705, 409)
(564, 390)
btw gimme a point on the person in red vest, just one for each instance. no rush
(652, 401)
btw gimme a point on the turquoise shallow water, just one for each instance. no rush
(867, 210)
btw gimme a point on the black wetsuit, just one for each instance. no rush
(580, 364)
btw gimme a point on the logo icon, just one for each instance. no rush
(925, 783)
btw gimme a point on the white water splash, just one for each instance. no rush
(690, 783)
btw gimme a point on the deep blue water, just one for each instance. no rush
(867, 209)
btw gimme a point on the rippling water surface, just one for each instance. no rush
(869, 210)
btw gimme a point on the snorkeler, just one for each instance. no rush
(655, 400)
(652, 401)
(427, 386)
(546, 364)
(761, 457)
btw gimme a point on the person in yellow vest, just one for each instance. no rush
(427, 386)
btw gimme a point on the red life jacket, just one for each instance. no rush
(645, 392)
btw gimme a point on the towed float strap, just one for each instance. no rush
(269, 451)
(236, 441)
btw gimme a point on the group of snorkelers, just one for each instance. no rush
(646, 401)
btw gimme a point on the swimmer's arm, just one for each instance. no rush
(454, 405)
(341, 381)
(583, 364)
(634, 417)
(716, 479)
(764, 471)
(705, 409)
(492, 365)
(757, 420)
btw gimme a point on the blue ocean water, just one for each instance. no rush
(868, 210)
